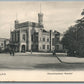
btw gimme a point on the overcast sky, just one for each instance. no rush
(58, 15)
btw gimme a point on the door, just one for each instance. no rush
(23, 48)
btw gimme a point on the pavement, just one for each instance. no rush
(40, 54)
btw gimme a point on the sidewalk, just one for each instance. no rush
(73, 60)
(39, 54)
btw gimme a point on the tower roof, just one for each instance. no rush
(40, 13)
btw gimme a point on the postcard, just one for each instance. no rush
(42, 41)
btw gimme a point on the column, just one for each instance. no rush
(20, 41)
(29, 39)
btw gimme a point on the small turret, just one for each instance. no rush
(40, 17)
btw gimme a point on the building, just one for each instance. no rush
(29, 36)
(4, 43)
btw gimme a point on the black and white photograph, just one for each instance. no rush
(41, 41)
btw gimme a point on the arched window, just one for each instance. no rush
(23, 37)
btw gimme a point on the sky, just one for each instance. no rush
(57, 15)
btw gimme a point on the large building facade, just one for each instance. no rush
(29, 36)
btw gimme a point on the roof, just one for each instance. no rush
(27, 23)
(56, 32)
(44, 30)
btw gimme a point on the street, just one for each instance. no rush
(27, 61)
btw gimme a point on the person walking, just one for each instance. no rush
(54, 53)
(13, 52)
(10, 51)
(31, 51)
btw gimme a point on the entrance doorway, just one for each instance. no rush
(23, 48)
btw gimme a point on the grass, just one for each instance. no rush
(33, 62)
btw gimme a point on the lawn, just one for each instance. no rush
(43, 61)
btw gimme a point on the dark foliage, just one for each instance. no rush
(73, 39)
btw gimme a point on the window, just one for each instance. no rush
(40, 39)
(53, 41)
(23, 37)
(43, 39)
(1, 44)
(32, 38)
(43, 46)
(47, 46)
(57, 39)
(17, 36)
(12, 37)
(57, 47)
(47, 39)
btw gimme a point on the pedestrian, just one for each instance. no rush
(13, 52)
(54, 53)
(10, 51)
(31, 51)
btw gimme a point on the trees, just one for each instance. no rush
(73, 39)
